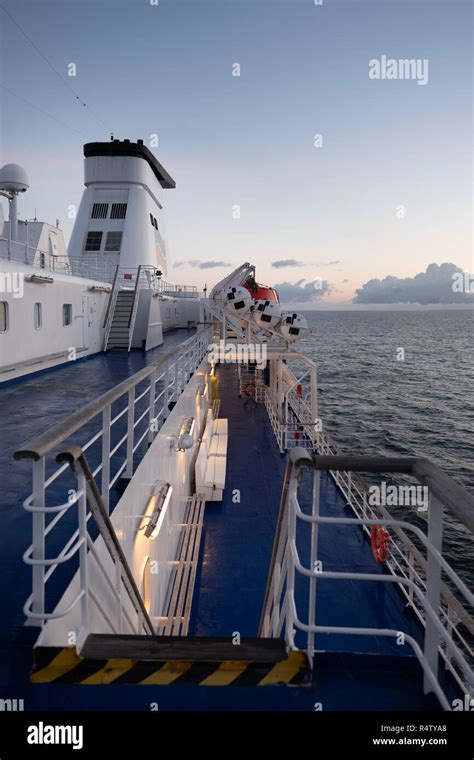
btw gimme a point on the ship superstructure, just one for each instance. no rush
(108, 292)
(195, 526)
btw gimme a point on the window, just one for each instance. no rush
(114, 241)
(99, 211)
(156, 225)
(119, 211)
(38, 315)
(3, 316)
(151, 220)
(42, 260)
(94, 239)
(67, 314)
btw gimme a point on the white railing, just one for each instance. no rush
(297, 424)
(404, 557)
(428, 595)
(99, 269)
(121, 421)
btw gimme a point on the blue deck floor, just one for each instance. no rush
(238, 538)
(27, 408)
(235, 553)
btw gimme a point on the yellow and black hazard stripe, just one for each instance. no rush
(65, 666)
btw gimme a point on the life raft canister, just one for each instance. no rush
(379, 543)
(249, 389)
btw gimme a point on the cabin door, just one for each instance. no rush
(91, 324)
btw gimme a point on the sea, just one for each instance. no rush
(401, 383)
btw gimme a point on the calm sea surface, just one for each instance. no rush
(373, 403)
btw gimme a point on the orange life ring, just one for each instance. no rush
(379, 543)
(249, 389)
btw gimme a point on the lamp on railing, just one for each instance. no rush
(158, 504)
(185, 437)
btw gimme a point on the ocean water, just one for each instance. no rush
(375, 398)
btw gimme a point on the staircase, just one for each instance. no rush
(119, 334)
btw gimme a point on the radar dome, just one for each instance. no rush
(13, 178)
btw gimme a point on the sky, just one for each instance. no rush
(386, 191)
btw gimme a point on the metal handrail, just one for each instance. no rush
(285, 559)
(355, 490)
(111, 299)
(43, 444)
(77, 460)
(298, 459)
(172, 371)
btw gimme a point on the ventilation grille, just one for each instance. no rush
(99, 211)
(119, 211)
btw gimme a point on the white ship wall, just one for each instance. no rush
(24, 348)
(130, 180)
(161, 464)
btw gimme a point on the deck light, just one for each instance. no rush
(158, 503)
(185, 437)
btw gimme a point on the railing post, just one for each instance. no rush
(130, 432)
(433, 588)
(290, 572)
(411, 574)
(106, 419)
(176, 377)
(83, 574)
(314, 557)
(276, 600)
(38, 526)
(314, 403)
(151, 412)
(166, 390)
(118, 588)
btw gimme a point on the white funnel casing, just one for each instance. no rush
(123, 196)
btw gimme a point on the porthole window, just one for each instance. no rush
(38, 316)
(3, 316)
(67, 314)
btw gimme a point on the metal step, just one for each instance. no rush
(99, 646)
(161, 661)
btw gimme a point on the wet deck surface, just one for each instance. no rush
(235, 554)
(238, 538)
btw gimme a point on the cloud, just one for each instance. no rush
(299, 293)
(287, 263)
(440, 284)
(202, 264)
(346, 280)
(327, 263)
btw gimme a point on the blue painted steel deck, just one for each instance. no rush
(352, 673)
(238, 540)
